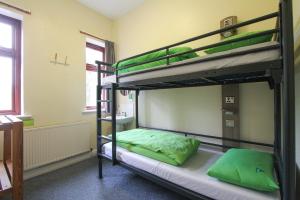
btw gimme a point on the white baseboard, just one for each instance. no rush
(28, 174)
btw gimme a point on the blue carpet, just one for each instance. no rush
(80, 182)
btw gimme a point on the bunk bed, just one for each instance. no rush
(272, 62)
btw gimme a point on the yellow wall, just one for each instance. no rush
(55, 94)
(157, 23)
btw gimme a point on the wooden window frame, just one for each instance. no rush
(94, 68)
(15, 54)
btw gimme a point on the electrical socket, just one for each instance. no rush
(229, 100)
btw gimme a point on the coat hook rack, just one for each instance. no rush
(56, 62)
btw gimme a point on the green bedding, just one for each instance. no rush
(243, 43)
(175, 50)
(159, 145)
(246, 168)
(151, 56)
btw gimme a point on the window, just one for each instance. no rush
(10, 65)
(93, 53)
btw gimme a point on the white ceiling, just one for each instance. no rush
(112, 8)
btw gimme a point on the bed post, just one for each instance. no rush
(99, 124)
(113, 118)
(137, 92)
(277, 118)
(288, 136)
(277, 129)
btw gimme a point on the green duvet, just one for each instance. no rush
(154, 55)
(159, 145)
(176, 50)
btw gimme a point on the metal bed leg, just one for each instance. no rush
(277, 129)
(137, 92)
(277, 118)
(113, 118)
(100, 167)
(99, 128)
(288, 136)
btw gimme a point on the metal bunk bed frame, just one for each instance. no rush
(279, 74)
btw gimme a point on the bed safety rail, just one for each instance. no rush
(167, 48)
(108, 68)
(168, 57)
(242, 24)
(214, 137)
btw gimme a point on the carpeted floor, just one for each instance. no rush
(80, 182)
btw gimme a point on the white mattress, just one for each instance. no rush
(192, 175)
(267, 55)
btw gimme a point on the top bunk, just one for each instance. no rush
(242, 59)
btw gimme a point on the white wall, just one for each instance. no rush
(257, 112)
(178, 110)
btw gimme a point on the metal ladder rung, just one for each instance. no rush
(106, 72)
(104, 143)
(104, 101)
(104, 119)
(106, 87)
(101, 139)
(106, 138)
(104, 156)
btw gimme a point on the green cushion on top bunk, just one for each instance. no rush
(163, 146)
(247, 168)
(243, 43)
(151, 56)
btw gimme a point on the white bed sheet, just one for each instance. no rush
(267, 55)
(192, 175)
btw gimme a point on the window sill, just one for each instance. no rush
(24, 116)
(20, 116)
(89, 111)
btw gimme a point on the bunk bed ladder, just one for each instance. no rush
(111, 100)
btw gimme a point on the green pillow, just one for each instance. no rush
(159, 54)
(181, 50)
(246, 168)
(243, 43)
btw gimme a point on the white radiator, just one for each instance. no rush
(54, 143)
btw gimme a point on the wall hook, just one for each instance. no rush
(56, 62)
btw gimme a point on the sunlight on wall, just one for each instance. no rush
(55, 94)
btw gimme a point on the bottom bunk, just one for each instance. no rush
(192, 175)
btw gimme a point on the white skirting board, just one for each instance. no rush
(28, 174)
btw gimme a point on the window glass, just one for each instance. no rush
(92, 55)
(10, 66)
(91, 85)
(6, 36)
(6, 83)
